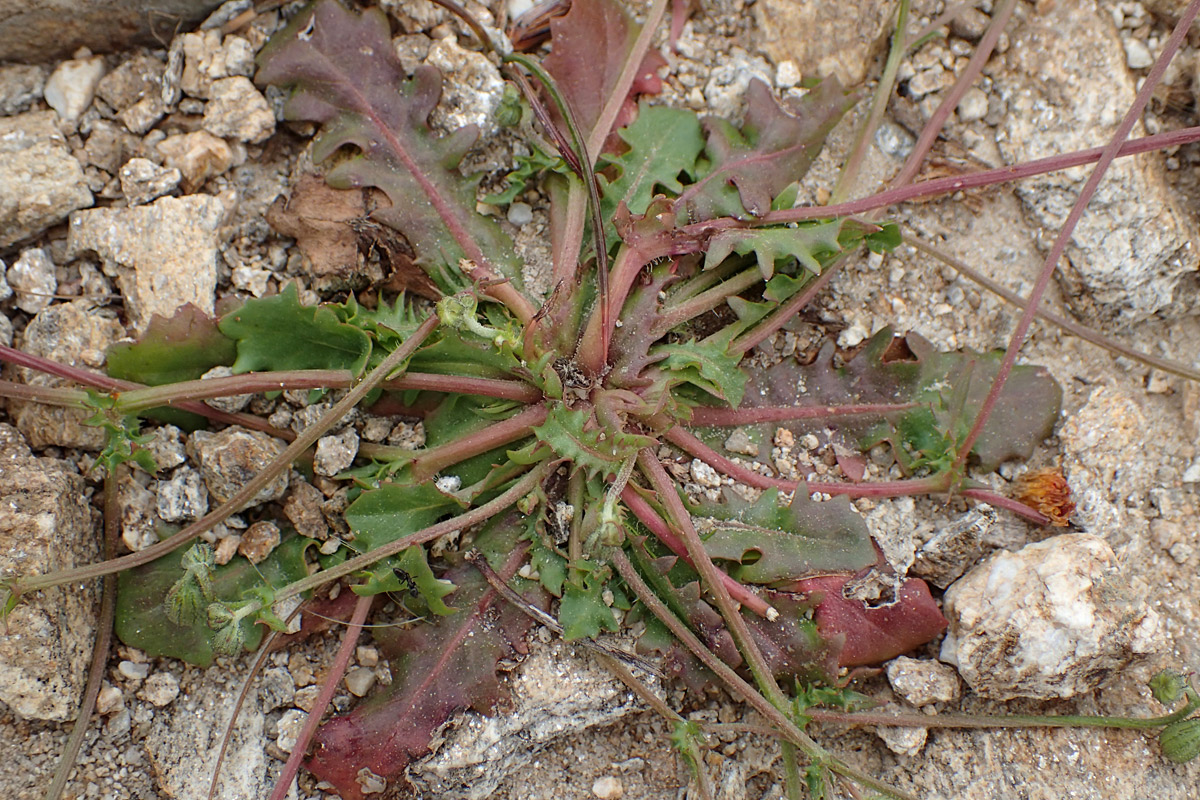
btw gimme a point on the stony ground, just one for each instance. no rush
(117, 201)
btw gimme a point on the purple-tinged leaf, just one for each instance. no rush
(927, 400)
(438, 669)
(749, 167)
(873, 635)
(180, 348)
(589, 47)
(345, 75)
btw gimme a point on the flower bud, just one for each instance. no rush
(1167, 687)
(1180, 740)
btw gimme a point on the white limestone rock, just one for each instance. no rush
(164, 254)
(1051, 620)
(40, 181)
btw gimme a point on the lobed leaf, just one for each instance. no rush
(277, 333)
(811, 245)
(600, 450)
(663, 143)
(946, 390)
(747, 168)
(345, 75)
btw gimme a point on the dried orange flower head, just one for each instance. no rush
(1046, 490)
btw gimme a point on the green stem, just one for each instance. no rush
(711, 576)
(47, 395)
(464, 520)
(917, 720)
(663, 532)
(705, 301)
(243, 495)
(787, 729)
(111, 385)
(883, 93)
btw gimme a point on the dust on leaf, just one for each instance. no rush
(141, 619)
(766, 542)
(438, 669)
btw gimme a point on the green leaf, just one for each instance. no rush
(277, 333)
(406, 574)
(395, 510)
(528, 168)
(599, 450)
(550, 566)
(767, 542)
(811, 245)
(663, 143)
(582, 611)
(180, 348)
(142, 621)
(344, 74)
(707, 365)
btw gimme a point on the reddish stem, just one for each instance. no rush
(949, 185)
(934, 127)
(1068, 228)
(1015, 506)
(707, 415)
(662, 531)
(430, 462)
(785, 312)
(693, 446)
(99, 381)
(336, 670)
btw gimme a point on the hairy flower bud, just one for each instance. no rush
(1180, 740)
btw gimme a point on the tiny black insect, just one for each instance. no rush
(407, 581)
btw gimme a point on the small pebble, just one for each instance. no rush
(359, 681)
(109, 700)
(160, 689)
(132, 671)
(608, 788)
(306, 698)
(259, 540)
(739, 442)
(520, 214)
(290, 725)
(367, 656)
(1137, 55)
